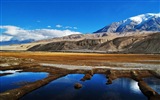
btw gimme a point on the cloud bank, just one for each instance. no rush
(17, 33)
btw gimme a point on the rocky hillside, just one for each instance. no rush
(68, 45)
(148, 43)
(133, 44)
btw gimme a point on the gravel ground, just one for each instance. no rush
(127, 66)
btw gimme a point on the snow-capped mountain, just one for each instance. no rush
(144, 22)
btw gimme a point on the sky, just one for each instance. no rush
(28, 19)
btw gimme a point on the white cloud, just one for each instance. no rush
(59, 26)
(5, 38)
(17, 33)
(11, 30)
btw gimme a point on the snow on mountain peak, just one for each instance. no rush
(143, 22)
(144, 17)
(137, 19)
(154, 14)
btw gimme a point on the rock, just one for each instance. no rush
(87, 76)
(109, 81)
(78, 86)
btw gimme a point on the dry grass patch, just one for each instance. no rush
(82, 58)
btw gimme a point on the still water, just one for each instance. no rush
(94, 89)
(154, 83)
(18, 79)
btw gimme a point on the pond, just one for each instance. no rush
(154, 83)
(94, 89)
(19, 79)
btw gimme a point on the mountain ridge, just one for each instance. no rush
(143, 22)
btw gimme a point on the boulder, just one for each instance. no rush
(86, 77)
(77, 86)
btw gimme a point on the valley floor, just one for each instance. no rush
(85, 59)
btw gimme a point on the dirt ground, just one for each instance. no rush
(90, 59)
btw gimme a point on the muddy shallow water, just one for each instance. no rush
(18, 79)
(94, 89)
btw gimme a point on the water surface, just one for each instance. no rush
(154, 83)
(94, 89)
(18, 79)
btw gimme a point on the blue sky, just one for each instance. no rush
(83, 16)
(86, 15)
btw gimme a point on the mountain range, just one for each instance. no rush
(138, 34)
(143, 22)
(144, 43)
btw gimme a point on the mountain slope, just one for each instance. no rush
(68, 45)
(133, 44)
(144, 22)
(148, 43)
